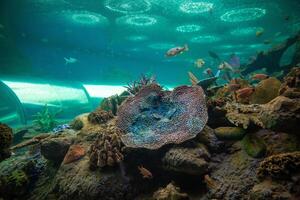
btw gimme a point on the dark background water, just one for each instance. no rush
(38, 34)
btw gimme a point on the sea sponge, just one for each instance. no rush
(107, 149)
(153, 117)
(74, 153)
(170, 192)
(280, 166)
(100, 116)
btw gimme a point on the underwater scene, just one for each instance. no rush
(149, 100)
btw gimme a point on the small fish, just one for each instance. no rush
(193, 79)
(145, 172)
(210, 182)
(234, 87)
(225, 66)
(245, 92)
(70, 60)
(287, 17)
(259, 32)
(234, 61)
(199, 63)
(209, 72)
(277, 34)
(214, 55)
(61, 128)
(260, 76)
(267, 41)
(176, 50)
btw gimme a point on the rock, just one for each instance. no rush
(55, 149)
(278, 142)
(170, 192)
(77, 123)
(191, 161)
(6, 139)
(280, 166)
(265, 91)
(76, 181)
(208, 137)
(234, 176)
(15, 184)
(291, 85)
(74, 153)
(153, 117)
(254, 146)
(269, 190)
(230, 133)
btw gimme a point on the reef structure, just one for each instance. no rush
(153, 117)
(6, 138)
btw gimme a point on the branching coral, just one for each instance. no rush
(280, 165)
(135, 86)
(45, 119)
(100, 116)
(107, 149)
(170, 192)
(112, 103)
(153, 118)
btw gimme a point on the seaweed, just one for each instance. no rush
(45, 119)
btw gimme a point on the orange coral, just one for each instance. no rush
(74, 153)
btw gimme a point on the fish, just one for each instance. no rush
(245, 92)
(145, 172)
(234, 87)
(287, 17)
(199, 63)
(214, 55)
(234, 61)
(61, 128)
(210, 182)
(225, 66)
(176, 50)
(70, 60)
(267, 41)
(277, 34)
(260, 76)
(209, 72)
(259, 32)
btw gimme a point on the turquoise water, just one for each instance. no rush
(104, 43)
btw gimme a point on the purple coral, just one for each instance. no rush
(153, 117)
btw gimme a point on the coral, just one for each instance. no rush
(74, 153)
(280, 166)
(45, 119)
(265, 91)
(234, 176)
(254, 146)
(15, 184)
(153, 118)
(107, 149)
(112, 103)
(100, 116)
(77, 124)
(6, 138)
(269, 190)
(208, 138)
(170, 192)
(229, 133)
(291, 85)
(187, 160)
(135, 86)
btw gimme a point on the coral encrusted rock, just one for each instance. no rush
(280, 166)
(74, 153)
(291, 85)
(153, 117)
(6, 138)
(230, 133)
(193, 161)
(170, 192)
(100, 116)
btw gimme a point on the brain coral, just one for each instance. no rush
(153, 117)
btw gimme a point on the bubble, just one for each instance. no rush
(242, 15)
(137, 38)
(189, 28)
(245, 31)
(137, 20)
(128, 6)
(205, 39)
(195, 7)
(86, 17)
